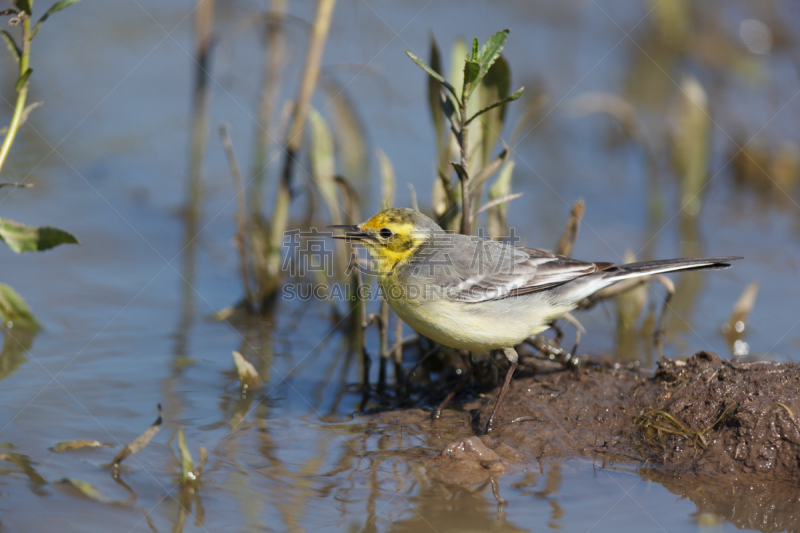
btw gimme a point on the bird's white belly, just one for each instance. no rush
(477, 327)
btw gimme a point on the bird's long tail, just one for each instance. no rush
(648, 268)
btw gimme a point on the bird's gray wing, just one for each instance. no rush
(478, 270)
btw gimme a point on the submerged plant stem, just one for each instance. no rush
(241, 214)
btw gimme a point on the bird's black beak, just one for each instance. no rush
(351, 233)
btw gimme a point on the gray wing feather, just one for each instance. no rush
(473, 270)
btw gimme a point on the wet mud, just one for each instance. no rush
(725, 434)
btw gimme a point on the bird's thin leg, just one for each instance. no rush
(577, 341)
(579, 330)
(660, 331)
(512, 356)
(559, 333)
(438, 411)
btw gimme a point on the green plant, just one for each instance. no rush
(482, 92)
(19, 237)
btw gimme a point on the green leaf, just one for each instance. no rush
(434, 90)
(450, 108)
(11, 44)
(23, 5)
(438, 77)
(23, 80)
(491, 50)
(21, 238)
(55, 8)
(482, 60)
(13, 309)
(472, 71)
(502, 102)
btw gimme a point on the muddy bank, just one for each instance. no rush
(704, 416)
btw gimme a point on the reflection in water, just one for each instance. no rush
(16, 343)
(443, 507)
(35, 482)
(747, 503)
(289, 456)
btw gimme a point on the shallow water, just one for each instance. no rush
(108, 154)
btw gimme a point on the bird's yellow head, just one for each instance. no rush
(392, 236)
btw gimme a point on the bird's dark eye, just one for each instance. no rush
(386, 233)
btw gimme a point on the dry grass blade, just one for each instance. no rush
(248, 375)
(351, 141)
(737, 323)
(611, 104)
(86, 489)
(388, 182)
(294, 139)
(141, 441)
(497, 201)
(567, 240)
(90, 491)
(489, 169)
(742, 308)
(631, 302)
(656, 424)
(78, 444)
(351, 200)
(413, 192)
(690, 142)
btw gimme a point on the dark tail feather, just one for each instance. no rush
(633, 270)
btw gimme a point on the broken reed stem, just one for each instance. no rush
(294, 140)
(241, 214)
(273, 63)
(203, 24)
(567, 241)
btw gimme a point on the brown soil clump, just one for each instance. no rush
(732, 417)
(702, 416)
